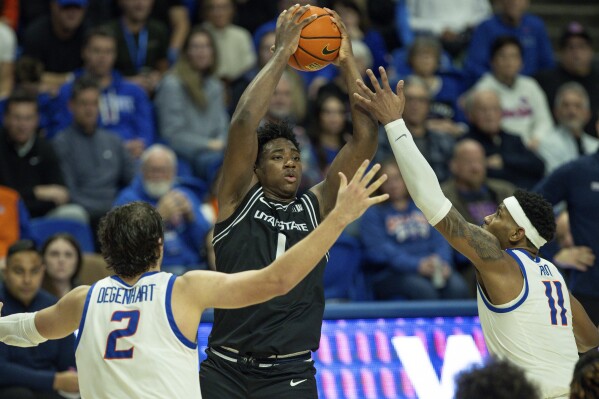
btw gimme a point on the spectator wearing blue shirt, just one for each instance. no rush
(185, 226)
(577, 183)
(124, 107)
(48, 369)
(512, 20)
(409, 257)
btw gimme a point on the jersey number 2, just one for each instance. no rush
(560, 302)
(111, 351)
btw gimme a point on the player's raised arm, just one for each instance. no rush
(364, 140)
(242, 143)
(220, 290)
(480, 246)
(54, 322)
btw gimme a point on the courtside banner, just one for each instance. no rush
(411, 350)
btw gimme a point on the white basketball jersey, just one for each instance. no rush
(129, 346)
(534, 331)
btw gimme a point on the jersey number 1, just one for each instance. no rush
(560, 302)
(111, 351)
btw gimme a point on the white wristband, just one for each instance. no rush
(19, 330)
(418, 175)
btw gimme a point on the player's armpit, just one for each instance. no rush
(64, 317)
(585, 332)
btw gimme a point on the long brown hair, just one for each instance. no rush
(47, 283)
(193, 80)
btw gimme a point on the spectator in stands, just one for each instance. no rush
(62, 258)
(142, 44)
(424, 60)
(451, 22)
(28, 78)
(576, 64)
(185, 226)
(9, 13)
(507, 156)
(408, 257)
(569, 140)
(436, 146)
(8, 53)
(585, 381)
(511, 20)
(190, 106)
(236, 54)
(44, 371)
(498, 379)
(523, 102)
(356, 21)
(14, 220)
(570, 256)
(125, 108)
(473, 194)
(264, 55)
(281, 108)
(94, 161)
(56, 40)
(577, 183)
(329, 130)
(30, 165)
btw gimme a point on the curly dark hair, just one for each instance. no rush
(271, 131)
(539, 211)
(585, 381)
(129, 237)
(498, 379)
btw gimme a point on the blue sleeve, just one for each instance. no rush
(14, 374)
(195, 232)
(24, 228)
(554, 188)
(125, 196)
(402, 24)
(60, 117)
(477, 58)
(380, 249)
(66, 355)
(144, 117)
(378, 48)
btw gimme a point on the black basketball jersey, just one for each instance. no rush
(259, 231)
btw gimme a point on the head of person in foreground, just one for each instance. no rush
(497, 379)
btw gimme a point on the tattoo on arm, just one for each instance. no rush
(485, 245)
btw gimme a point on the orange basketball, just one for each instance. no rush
(318, 44)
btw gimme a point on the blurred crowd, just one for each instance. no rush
(103, 102)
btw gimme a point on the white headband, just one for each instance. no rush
(512, 205)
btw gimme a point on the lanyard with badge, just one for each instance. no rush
(137, 52)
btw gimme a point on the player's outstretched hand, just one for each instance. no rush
(354, 197)
(383, 104)
(288, 28)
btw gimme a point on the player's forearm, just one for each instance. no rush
(20, 330)
(299, 260)
(365, 127)
(254, 102)
(418, 175)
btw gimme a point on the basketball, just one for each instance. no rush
(318, 44)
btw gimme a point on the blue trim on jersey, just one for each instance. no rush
(120, 280)
(495, 309)
(82, 322)
(171, 318)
